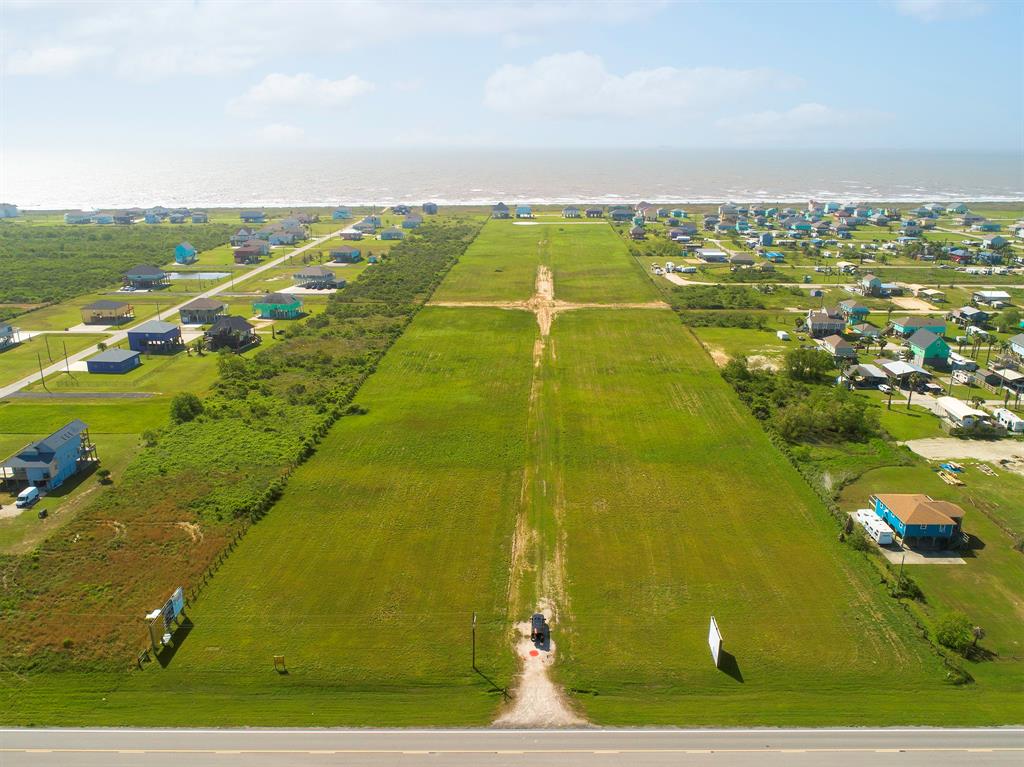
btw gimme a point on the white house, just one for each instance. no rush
(960, 413)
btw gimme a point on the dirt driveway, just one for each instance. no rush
(942, 448)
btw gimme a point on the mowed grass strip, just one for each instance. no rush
(366, 572)
(589, 263)
(678, 507)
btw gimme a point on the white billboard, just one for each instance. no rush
(715, 640)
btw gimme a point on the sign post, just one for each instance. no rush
(715, 641)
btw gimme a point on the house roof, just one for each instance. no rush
(114, 355)
(919, 322)
(1018, 340)
(41, 453)
(345, 249)
(106, 304)
(187, 246)
(278, 298)
(958, 408)
(919, 509)
(870, 371)
(836, 342)
(233, 323)
(144, 270)
(154, 326)
(922, 339)
(315, 271)
(201, 304)
(900, 368)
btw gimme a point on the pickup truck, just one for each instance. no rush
(538, 628)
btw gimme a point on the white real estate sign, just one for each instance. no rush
(715, 640)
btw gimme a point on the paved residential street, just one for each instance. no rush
(120, 335)
(907, 747)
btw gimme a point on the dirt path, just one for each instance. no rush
(538, 701)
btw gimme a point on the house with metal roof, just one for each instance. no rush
(392, 233)
(155, 337)
(114, 361)
(49, 462)
(253, 216)
(346, 254)
(524, 211)
(919, 520)
(500, 211)
(840, 349)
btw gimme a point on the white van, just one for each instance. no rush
(27, 497)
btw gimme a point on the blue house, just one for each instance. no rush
(774, 256)
(499, 211)
(200, 218)
(8, 335)
(49, 462)
(152, 218)
(184, 253)
(524, 211)
(114, 361)
(103, 218)
(341, 214)
(346, 254)
(620, 215)
(176, 218)
(252, 216)
(374, 220)
(392, 233)
(411, 221)
(430, 208)
(766, 238)
(919, 520)
(155, 337)
(801, 226)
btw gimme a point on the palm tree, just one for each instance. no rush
(913, 382)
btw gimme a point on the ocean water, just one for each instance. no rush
(85, 180)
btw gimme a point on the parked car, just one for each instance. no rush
(885, 388)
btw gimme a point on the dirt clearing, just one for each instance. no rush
(537, 701)
(1008, 453)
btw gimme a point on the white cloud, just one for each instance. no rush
(302, 90)
(151, 40)
(578, 85)
(280, 133)
(50, 60)
(940, 10)
(810, 119)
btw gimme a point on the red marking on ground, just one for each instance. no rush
(534, 653)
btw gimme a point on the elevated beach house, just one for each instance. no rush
(921, 521)
(202, 311)
(252, 216)
(346, 254)
(107, 312)
(231, 333)
(145, 277)
(927, 348)
(155, 337)
(500, 211)
(185, 253)
(278, 306)
(317, 278)
(392, 233)
(49, 462)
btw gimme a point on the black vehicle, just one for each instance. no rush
(538, 628)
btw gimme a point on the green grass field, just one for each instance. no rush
(403, 520)
(23, 359)
(589, 263)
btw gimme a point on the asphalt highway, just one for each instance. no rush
(906, 747)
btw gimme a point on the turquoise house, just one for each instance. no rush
(907, 326)
(928, 348)
(185, 253)
(341, 214)
(801, 226)
(919, 520)
(524, 211)
(278, 306)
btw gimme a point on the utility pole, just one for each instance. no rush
(46, 340)
(42, 378)
(67, 365)
(474, 641)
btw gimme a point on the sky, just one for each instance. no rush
(904, 74)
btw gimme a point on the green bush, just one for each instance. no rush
(954, 630)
